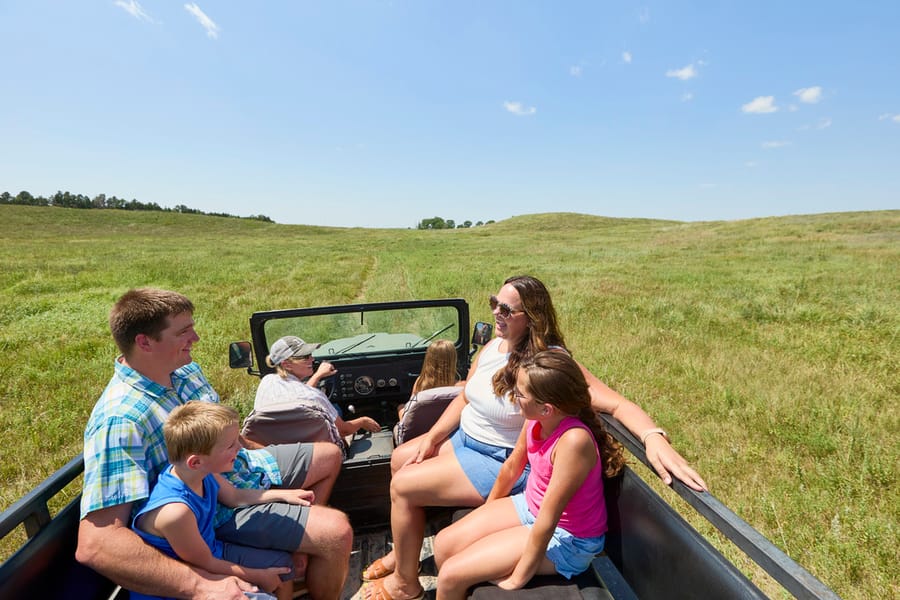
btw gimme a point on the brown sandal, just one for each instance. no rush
(376, 570)
(376, 586)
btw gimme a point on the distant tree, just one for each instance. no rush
(5, 198)
(432, 223)
(25, 197)
(465, 225)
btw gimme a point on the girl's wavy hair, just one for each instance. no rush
(543, 330)
(555, 378)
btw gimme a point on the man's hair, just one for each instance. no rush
(195, 428)
(144, 311)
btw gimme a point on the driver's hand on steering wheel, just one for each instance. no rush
(326, 369)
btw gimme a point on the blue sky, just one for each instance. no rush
(381, 114)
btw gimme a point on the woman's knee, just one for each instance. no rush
(405, 485)
(400, 455)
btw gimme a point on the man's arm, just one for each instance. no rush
(107, 545)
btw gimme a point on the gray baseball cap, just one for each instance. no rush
(288, 347)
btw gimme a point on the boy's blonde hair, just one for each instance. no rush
(195, 428)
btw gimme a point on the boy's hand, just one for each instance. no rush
(297, 496)
(268, 579)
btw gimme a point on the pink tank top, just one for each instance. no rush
(585, 514)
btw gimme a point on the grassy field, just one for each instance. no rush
(768, 348)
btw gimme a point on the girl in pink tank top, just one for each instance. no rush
(557, 524)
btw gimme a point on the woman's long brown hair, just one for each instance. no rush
(543, 331)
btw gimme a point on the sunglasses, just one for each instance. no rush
(505, 310)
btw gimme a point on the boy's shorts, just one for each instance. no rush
(258, 558)
(276, 526)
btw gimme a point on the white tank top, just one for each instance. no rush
(488, 418)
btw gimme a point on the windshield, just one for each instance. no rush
(369, 331)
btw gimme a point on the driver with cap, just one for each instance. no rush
(295, 382)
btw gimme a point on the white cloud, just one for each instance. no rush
(518, 109)
(644, 15)
(575, 71)
(890, 117)
(626, 57)
(687, 96)
(212, 30)
(684, 73)
(760, 105)
(134, 8)
(775, 144)
(750, 164)
(824, 123)
(810, 95)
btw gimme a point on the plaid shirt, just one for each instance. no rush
(124, 449)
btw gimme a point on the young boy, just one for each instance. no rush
(202, 442)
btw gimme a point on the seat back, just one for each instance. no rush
(423, 410)
(290, 423)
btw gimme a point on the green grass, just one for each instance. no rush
(767, 348)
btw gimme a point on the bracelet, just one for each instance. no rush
(650, 432)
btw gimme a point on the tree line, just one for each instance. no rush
(102, 201)
(439, 223)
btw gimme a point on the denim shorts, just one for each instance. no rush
(481, 462)
(569, 554)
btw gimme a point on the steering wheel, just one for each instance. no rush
(329, 387)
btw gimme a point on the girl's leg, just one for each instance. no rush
(487, 559)
(438, 481)
(489, 518)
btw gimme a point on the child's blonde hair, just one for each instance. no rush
(195, 428)
(438, 368)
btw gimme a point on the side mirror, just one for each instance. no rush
(240, 355)
(482, 333)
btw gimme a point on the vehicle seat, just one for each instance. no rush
(423, 410)
(289, 423)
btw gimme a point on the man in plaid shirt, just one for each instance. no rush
(124, 452)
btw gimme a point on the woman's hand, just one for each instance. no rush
(668, 463)
(326, 369)
(425, 450)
